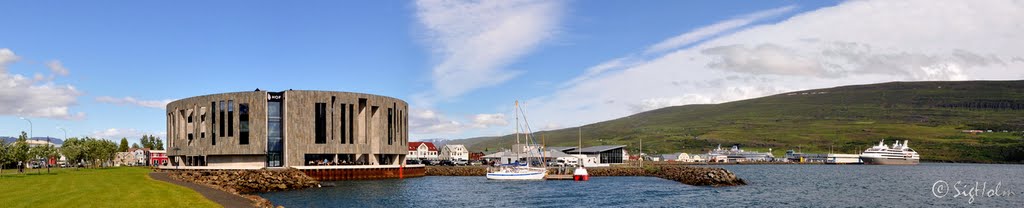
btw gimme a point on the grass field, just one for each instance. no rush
(105, 187)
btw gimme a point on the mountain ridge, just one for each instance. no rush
(846, 119)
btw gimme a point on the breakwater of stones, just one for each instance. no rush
(697, 176)
(248, 182)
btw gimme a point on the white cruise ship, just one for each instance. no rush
(898, 154)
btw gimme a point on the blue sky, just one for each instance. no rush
(105, 69)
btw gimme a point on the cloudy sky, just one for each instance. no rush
(107, 69)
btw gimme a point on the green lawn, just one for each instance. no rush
(106, 187)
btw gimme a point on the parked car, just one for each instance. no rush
(446, 163)
(476, 162)
(428, 162)
(460, 162)
(412, 162)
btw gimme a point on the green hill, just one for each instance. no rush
(845, 119)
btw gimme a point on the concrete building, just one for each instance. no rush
(611, 154)
(422, 151)
(454, 152)
(293, 128)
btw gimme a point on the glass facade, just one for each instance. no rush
(275, 140)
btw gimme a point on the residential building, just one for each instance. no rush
(454, 152)
(422, 151)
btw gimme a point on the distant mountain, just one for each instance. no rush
(8, 139)
(848, 119)
(438, 142)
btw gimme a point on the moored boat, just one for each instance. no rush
(517, 171)
(898, 154)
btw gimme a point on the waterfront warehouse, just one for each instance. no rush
(293, 128)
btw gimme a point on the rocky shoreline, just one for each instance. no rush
(248, 182)
(697, 176)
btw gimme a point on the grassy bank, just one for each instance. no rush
(849, 119)
(106, 187)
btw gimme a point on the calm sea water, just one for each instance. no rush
(770, 186)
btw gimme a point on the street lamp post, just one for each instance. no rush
(29, 128)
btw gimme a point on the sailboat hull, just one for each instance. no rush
(516, 176)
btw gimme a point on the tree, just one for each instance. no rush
(4, 156)
(50, 152)
(146, 141)
(74, 150)
(135, 145)
(37, 152)
(124, 145)
(20, 150)
(159, 144)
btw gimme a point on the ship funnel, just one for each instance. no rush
(905, 143)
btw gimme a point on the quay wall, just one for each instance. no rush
(697, 176)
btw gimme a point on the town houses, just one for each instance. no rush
(454, 152)
(422, 151)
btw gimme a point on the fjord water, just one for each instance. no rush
(769, 186)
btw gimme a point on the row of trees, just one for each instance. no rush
(91, 151)
(148, 141)
(20, 151)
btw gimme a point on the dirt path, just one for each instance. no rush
(223, 198)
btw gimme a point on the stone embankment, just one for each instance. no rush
(248, 182)
(697, 176)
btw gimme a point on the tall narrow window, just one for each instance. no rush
(243, 123)
(231, 118)
(213, 119)
(320, 119)
(351, 124)
(391, 127)
(222, 121)
(343, 126)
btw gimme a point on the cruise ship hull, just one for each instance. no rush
(888, 161)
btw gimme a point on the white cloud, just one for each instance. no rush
(489, 120)
(21, 96)
(714, 29)
(57, 68)
(856, 42)
(6, 57)
(476, 40)
(423, 122)
(158, 104)
(133, 135)
(427, 121)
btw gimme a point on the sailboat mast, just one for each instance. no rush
(516, 109)
(579, 151)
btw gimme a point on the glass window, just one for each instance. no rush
(391, 127)
(213, 119)
(320, 123)
(222, 107)
(231, 118)
(342, 118)
(243, 123)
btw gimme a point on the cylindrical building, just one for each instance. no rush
(294, 128)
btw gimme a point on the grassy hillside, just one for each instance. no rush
(846, 119)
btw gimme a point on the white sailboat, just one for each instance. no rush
(517, 171)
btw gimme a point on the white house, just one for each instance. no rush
(454, 152)
(422, 150)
